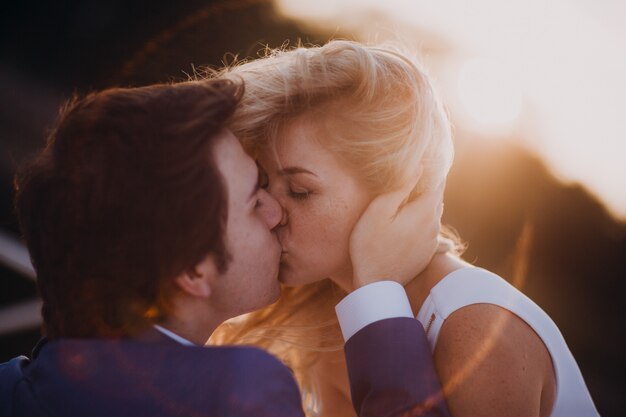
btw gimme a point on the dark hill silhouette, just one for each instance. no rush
(576, 259)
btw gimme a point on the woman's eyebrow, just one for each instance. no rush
(295, 170)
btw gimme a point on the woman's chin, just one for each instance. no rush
(290, 277)
(289, 280)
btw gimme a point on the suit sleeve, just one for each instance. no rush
(391, 371)
(389, 360)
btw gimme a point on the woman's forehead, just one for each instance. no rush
(300, 141)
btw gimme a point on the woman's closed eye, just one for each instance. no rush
(298, 195)
(294, 192)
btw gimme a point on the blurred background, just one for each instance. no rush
(535, 89)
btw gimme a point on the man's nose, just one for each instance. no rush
(271, 211)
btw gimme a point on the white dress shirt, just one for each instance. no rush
(173, 336)
(370, 303)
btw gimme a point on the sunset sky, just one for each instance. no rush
(548, 73)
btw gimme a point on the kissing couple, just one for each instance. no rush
(302, 191)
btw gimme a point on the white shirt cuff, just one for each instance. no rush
(371, 303)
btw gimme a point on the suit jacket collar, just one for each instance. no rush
(35, 352)
(151, 335)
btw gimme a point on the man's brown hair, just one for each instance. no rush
(124, 197)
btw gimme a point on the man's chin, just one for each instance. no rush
(287, 283)
(276, 295)
(285, 278)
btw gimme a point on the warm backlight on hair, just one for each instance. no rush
(557, 82)
(489, 94)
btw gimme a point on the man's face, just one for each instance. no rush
(251, 280)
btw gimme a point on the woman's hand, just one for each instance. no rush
(396, 241)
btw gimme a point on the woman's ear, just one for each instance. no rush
(198, 281)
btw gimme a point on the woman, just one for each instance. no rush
(333, 127)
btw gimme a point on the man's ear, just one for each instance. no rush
(198, 281)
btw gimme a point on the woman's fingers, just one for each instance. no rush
(418, 210)
(387, 206)
(396, 241)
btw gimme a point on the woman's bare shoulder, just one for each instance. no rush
(492, 362)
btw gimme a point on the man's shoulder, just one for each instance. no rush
(12, 369)
(10, 375)
(125, 377)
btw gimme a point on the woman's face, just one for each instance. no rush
(323, 201)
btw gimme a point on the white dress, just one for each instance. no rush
(471, 285)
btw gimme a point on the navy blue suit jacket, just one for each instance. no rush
(389, 363)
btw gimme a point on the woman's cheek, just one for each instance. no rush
(304, 221)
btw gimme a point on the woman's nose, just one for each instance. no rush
(271, 211)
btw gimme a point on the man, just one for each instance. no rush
(147, 229)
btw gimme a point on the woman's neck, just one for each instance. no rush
(419, 287)
(344, 280)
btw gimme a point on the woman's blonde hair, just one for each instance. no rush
(376, 110)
